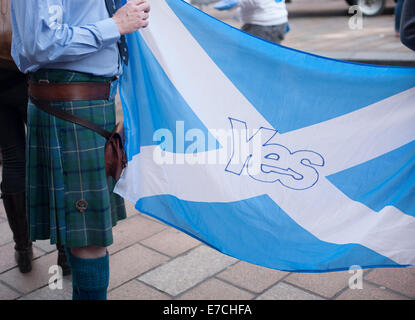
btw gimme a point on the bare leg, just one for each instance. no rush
(89, 252)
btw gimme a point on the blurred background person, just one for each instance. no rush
(408, 24)
(266, 19)
(13, 117)
(13, 97)
(398, 14)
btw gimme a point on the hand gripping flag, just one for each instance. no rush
(274, 156)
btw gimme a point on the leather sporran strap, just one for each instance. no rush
(5, 30)
(115, 157)
(70, 117)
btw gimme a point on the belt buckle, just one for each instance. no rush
(43, 81)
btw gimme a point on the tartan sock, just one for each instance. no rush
(90, 277)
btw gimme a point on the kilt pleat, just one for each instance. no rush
(66, 168)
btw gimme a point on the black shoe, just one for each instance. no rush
(15, 206)
(63, 261)
(24, 259)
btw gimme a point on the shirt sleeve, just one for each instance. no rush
(48, 40)
(408, 24)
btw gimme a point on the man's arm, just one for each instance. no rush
(408, 24)
(46, 39)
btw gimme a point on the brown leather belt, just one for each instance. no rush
(71, 91)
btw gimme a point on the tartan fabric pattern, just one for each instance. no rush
(65, 165)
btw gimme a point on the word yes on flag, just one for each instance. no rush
(274, 156)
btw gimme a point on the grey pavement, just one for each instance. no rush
(150, 260)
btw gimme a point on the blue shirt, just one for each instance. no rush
(75, 35)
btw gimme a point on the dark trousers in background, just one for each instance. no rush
(13, 115)
(271, 33)
(398, 14)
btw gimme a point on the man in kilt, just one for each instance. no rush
(73, 51)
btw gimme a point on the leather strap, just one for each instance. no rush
(72, 91)
(70, 117)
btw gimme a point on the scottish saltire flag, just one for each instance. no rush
(274, 156)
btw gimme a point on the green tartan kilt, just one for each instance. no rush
(66, 168)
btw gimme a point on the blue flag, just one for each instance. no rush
(274, 156)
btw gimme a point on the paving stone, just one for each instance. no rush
(37, 278)
(46, 293)
(45, 245)
(284, 291)
(2, 211)
(251, 277)
(135, 290)
(132, 262)
(7, 256)
(188, 270)
(6, 234)
(397, 279)
(324, 284)
(130, 208)
(7, 294)
(153, 219)
(131, 230)
(214, 289)
(369, 292)
(171, 242)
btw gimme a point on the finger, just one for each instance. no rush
(144, 7)
(136, 2)
(139, 3)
